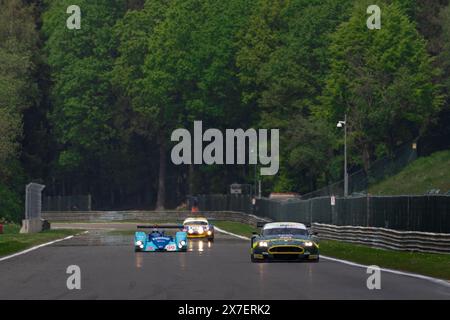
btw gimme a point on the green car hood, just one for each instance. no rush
(279, 240)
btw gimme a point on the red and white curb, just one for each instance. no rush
(39, 246)
(353, 264)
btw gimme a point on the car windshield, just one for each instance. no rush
(156, 233)
(198, 223)
(285, 231)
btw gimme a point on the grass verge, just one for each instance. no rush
(11, 241)
(418, 177)
(236, 227)
(430, 264)
(122, 232)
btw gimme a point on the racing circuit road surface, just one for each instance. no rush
(110, 269)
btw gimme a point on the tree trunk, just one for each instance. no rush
(162, 176)
(366, 157)
(191, 179)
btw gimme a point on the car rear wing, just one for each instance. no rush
(160, 226)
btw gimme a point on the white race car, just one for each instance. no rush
(198, 227)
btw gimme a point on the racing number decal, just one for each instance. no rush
(171, 247)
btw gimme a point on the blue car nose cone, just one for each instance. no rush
(161, 242)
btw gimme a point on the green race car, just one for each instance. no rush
(284, 241)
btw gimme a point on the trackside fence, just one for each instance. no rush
(386, 238)
(67, 203)
(224, 202)
(428, 213)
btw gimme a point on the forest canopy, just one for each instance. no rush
(91, 110)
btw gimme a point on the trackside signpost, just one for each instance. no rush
(33, 205)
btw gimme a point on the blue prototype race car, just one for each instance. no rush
(157, 241)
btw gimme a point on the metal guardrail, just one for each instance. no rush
(386, 238)
(147, 216)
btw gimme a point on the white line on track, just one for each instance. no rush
(408, 274)
(39, 246)
(231, 234)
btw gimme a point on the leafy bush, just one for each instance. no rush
(11, 206)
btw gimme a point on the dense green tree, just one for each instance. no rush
(176, 65)
(283, 64)
(437, 136)
(18, 92)
(444, 57)
(426, 15)
(83, 103)
(134, 32)
(137, 69)
(383, 80)
(18, 40)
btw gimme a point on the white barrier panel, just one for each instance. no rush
(386, 238)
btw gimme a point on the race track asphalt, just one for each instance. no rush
(110, 269)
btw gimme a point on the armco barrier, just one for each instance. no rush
(105, 216)
(386, 238)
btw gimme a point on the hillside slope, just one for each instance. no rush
(432, 172)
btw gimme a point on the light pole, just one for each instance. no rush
(341, 124)
(256, 191)
(252, 150)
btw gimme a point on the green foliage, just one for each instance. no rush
(139, 69)
(283, 63)
(444, 55)
(283, 58)
(383, 80)
(134, 32)
(176, 65)
(11, 206)
(80, 61)
(188, 72)
(17, 88)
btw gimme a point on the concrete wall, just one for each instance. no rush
(32, 225)
(102, 216)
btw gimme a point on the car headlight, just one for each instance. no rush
(209, 233)
(182, 243)
(190, 230)
(262, 244)
(200, 230)
(139, 243)
(309, 244)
